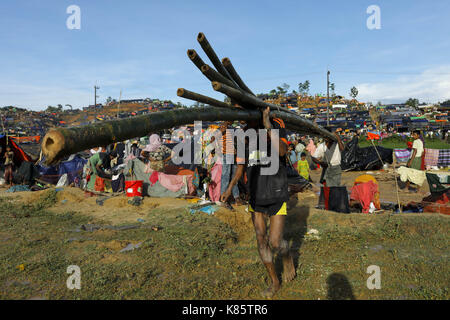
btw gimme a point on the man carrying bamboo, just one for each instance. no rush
(268, 197)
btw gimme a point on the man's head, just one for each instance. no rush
(328, 142)
(416, 134)
(303, 155)
(224, 126)
(8, 148)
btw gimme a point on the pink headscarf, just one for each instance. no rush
(311, 148)
(155, 143)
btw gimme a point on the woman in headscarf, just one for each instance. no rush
(310, 150)
(158, 153)
(311, 147)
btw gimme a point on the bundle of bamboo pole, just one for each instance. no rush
(245, 106)
(226, 80)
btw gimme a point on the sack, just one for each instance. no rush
(267, 189)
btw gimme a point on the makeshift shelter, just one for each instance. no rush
(73, 167)
(19, 155)
(355, 158)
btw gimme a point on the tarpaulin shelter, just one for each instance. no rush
(355, 158)
(72, 167)
(19, 154)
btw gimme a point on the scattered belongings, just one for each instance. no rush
(412, 175)
(312, 234)
(334, 199)
(365, 192)
(205, 208)
(19, 188)
(101, 200)
(135, 201)
(131, 247)
(95, 227)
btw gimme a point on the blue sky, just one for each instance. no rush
(140, 47)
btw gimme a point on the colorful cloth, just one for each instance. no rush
(303, 168)
(214, 185)
(365, 194)
(175, 182)
(444, 158)
(373, 135)
(154, 177)
(160, 153)
(431, 157)
(311, 147)
(402, 155)
(155, 143)
(366, 178)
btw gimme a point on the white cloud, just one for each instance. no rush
(432, 85)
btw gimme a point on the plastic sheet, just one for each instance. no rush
(355, 158)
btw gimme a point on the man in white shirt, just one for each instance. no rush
(328, 155)
(299, 147)
(415, 161)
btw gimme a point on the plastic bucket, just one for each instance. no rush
(134, 188)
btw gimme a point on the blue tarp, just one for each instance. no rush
(73, 168)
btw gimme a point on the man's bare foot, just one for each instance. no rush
(288, 268)
(271, 290)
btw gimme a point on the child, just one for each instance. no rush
(292, 155)
(9, 162)
(303, 167)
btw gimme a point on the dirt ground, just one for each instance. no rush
(200, 256)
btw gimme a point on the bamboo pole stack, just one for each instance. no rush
(245, 106)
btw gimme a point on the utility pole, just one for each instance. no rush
(328, 98)
(120, 98)
(95, 96)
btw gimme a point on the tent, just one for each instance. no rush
(355, 158)
(19, 155)
(73, 167)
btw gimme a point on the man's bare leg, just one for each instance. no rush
(281, 246)
(259, 222)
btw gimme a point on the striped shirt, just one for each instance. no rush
(227, 142)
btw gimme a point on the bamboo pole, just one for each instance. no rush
(61, 142)
(213, 75)
(395, 176)
(226, 62)
(181, 92)
(246, 98)
(204, 43)
(396, 186)
(293, 121)
(195, 58)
